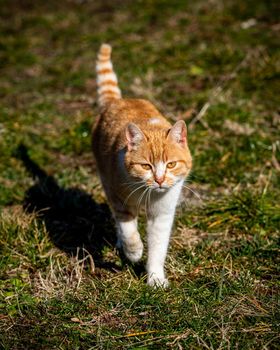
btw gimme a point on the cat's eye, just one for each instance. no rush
(171, 165)
(146, 166)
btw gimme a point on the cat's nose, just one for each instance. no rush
(159, 180)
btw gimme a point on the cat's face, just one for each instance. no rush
(158, 158)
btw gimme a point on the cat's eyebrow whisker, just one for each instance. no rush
(194, 192)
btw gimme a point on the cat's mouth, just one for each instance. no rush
(160, 189)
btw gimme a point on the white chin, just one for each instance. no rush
(160, 189)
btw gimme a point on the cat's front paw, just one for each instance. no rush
(133, 251)
(156, 281)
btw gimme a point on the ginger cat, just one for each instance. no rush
(142, 161)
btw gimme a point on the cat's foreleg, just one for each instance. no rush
(129, 239)
(159, 228)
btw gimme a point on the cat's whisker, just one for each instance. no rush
(149, 197)
(130, 186)
(140, 199)
(131, 193)
(184, 203)
(147, 201)
(194, 192)
(131, 183)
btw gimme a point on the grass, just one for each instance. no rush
(63, 285)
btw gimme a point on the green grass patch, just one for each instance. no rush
(63, 284)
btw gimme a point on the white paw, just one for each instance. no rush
(157, 281)
(133, 251)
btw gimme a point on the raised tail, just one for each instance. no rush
(107, 82)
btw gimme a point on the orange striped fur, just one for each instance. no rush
(107, 82)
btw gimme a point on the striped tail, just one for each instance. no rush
(107, 82)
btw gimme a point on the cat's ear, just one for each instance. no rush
(133, 136)
(178, 133)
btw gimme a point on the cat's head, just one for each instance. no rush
(158, 157)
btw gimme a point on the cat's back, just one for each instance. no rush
(124, 111)
(109, 129)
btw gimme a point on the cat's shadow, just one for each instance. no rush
(75, 222)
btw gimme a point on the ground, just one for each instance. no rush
(214, 64)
